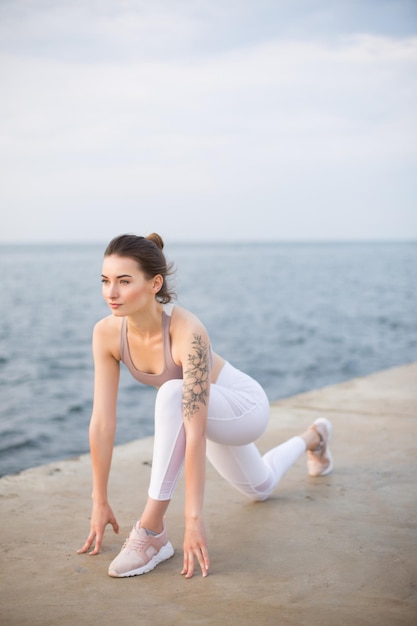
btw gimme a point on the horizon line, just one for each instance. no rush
(30, 242)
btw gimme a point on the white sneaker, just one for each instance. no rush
(141, 553)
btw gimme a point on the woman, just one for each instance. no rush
(204, 406)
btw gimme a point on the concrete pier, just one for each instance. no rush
(338, 550)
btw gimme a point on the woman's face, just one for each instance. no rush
(125, 287)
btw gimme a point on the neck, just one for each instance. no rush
(146, 322)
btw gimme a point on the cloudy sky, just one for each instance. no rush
(208, 119)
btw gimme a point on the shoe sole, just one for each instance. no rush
(165, 553)
(330, 466)
(329, 427)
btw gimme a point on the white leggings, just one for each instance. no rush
(238, 414)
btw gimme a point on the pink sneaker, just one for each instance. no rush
(141, 553)
(320, 460)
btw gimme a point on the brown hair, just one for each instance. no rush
(147, 252)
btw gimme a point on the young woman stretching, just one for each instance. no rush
(204, 406)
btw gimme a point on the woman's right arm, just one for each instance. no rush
(101, 433)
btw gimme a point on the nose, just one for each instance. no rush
(112, 291)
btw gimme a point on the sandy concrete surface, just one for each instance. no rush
(338, 550)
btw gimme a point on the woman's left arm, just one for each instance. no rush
(196, 390)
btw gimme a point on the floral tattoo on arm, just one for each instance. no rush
(196, 378)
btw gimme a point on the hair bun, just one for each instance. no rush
(157, 239)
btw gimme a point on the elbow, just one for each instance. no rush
(196, 440)
(100, 427)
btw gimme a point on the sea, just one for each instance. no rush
(295, 316)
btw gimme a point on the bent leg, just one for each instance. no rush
(238, 415)
(250, 473)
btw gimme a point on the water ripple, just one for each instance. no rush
(294, 316)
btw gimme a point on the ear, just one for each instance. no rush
(157, 283)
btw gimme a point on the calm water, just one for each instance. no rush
(295, 316)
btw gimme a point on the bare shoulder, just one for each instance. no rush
(189, 337)
(108, 325)
(106, 335)
(185, 324)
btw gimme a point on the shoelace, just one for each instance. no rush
(136, 542)
(320, 448)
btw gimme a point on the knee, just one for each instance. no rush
(254, 495)
(169, 396)
(259, 497)
(261, 492)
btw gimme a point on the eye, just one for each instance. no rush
(124, 282)
(104, 281)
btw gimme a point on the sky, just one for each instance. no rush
(208, 120)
